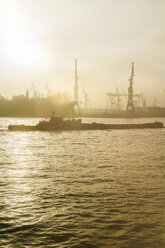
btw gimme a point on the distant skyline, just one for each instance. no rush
(40, 40)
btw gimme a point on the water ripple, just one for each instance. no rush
(82, 189)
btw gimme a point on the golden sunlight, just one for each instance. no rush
(18, 45)
(21, 51)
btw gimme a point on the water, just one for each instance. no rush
(82, 189)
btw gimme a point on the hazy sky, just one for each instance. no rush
(39, 40)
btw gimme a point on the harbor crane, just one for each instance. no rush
(75, 97)
(130, 103)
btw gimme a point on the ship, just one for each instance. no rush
(60, 124)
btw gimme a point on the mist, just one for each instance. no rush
(41, 39)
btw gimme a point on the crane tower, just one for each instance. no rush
(75, 98)
(130, 103)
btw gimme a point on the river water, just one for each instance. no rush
(82, 189)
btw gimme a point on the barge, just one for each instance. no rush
(58, 123)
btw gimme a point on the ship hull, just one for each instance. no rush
(86, 126)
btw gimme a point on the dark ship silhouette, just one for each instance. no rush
(58, 123)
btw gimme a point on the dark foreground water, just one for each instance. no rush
(82, 189)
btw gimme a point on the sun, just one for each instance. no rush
(16, 40)
(21, 46)
(21, 52)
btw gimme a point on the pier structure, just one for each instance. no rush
(115, 101)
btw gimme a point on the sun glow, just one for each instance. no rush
(22, 52)
(16, 36)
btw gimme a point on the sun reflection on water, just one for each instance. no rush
(84, 183)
